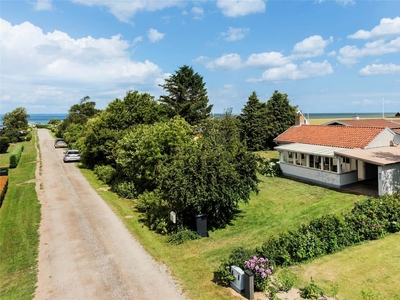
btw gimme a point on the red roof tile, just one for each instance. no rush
(382, 123)
(332, 136)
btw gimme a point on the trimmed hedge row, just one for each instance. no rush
(15, 155)
(3, 188)
(370, 220)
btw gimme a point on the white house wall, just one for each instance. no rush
(318, 176)
(382, 140)
(388, 179)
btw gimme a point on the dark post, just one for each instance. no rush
(249, 284)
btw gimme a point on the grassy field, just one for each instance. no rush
(281, 204)
(19, 224)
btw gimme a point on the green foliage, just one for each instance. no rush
(327, 234)
(156, 211)
(15, 155)
(311, 291)
(103, 132)
(78, 114)
(238, 256)
(16, 120)
(74, 133)
(182, 236)
(187, 96)
(268, 168)
(281, 116)
(4, 144)
(285, 280)
(28, 137)
(54, 122)
(143, 150)
(254, 123)
(125, 189)
(13, 134)
(106, 174)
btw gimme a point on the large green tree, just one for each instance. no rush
(187, 96)
(78, 114)
(15, 121)
(171, 169)
(253, 123)
(281, 116)
(104, 131)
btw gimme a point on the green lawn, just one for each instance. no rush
(282, 204)
(367, 271)
(19, 224)
(5, 157)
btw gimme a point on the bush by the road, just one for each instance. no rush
(4, 144)
(16, 155)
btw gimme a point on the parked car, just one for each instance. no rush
(60, 143)
(72, 155)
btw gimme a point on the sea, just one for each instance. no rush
(45, 118)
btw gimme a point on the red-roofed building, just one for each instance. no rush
(381, 123)
(338, 156)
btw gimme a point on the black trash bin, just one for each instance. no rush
(201, 225)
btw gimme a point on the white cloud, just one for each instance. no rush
(386, 27)
(267, 59)
(198, 13)
(346, 2)
(43, 5)
(349, 55)
(291, 71)
(138, 39)
(238, 8)
(124, 10)
(310, 47)
(225, 62)
(154, 35)
(234, 34)
(381, 69)
(34, 60)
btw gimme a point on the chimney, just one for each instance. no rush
(300, 119)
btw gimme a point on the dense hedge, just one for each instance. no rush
(4, 144)
(369, 220)
(15, 155)
(3, 188)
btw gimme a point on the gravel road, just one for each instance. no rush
(85, 251)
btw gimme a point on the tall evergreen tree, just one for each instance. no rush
(187, 96)
(254, 123)
(281, 116)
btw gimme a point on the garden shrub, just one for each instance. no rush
(124, 189)
(285, 280)
(4, 144)
(28, 137)
(15, 155)
(238, 256)
(268, 168)
(369, 220)
(106, 174)
(154, 209)
(182, 236)
(311, 291)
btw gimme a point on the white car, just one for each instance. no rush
(72, 155)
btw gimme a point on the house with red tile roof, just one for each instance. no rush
(338, 156)
(381, 123)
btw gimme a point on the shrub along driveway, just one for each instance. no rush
(85, 251)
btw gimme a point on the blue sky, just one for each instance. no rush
(328, 56)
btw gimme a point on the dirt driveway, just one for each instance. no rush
(85, 251)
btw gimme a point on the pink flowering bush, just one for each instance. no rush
(262, 269)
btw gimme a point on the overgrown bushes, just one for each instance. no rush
(105, 173)
(369, 220)
(15, 155)
(4, 144)
(3, 188)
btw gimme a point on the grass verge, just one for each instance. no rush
(19, 224)
(367, 271)
(281, 204)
